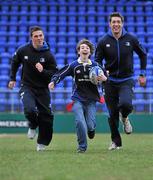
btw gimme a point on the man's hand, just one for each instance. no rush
(142, 80)
(51, 86)
(11, 84)
(39, 67)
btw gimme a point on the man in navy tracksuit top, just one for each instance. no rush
(84, 94)
(38, 66)
(117, 48)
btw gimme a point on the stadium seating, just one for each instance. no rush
(64, 24)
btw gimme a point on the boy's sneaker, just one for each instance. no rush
(91, 134)
(127, 125)
(31, 133)
(113, 146)
(40, 147)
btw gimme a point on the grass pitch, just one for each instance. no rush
(19, 159)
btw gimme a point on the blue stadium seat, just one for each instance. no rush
(11, 47)
(131, 28)
(52, 37)
(72, 27)
(149, 18)
(52, 10)
(91, 19)
(62, 27)
(23, 17)
(44, 8)
(71, 47)
(110, 8)
(82, 10)
(4, 69)
(4, 17)
(148, 7)
(62, 8)
(3, 36)
(129, 8)
(71, 37)
(33, 8)
(91, 9)
(82, 28)
(15, 8)
(60, 58)
(91, 28)
(43, 18)
(149, 27)
(61, 47)
(149, 81)
(2, 47)
(101, 29)
(81, 35)
(4, 81)
(3, 26)
(81, 18)
(72, 18)
(3, 104)
(100, 9)
(13, 17)
(69, 82)
(72, 8)
(130, 18)
(33, 19)
(150, 58)
(5, 58)
(22, 37)
(52, 29)
(5, 8)
(70, 57)
(62, 37)
(139, 8)
(140, 27)
(12, 36)
(120, 8)
(62, 18)
(52, 19)
(24, 8)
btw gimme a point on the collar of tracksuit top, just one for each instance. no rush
(84, 63)
(43, 48)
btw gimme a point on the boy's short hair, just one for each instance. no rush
(35, 28)
(88, 43)
(116, 14)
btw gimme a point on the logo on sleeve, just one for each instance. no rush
(127, 43)
(107, 45)
(26, 57)
(78, 71)
(42, 59)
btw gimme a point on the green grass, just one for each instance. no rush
(20, 161)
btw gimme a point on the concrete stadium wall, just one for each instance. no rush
(64, 123)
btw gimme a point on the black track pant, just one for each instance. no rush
(37, 110)
(118, 97)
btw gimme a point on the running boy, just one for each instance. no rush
(84, 94)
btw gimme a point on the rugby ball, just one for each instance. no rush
(93, 73)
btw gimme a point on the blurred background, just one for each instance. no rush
(65, 22)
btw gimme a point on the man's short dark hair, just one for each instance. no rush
(35, 28)
(116, 14)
